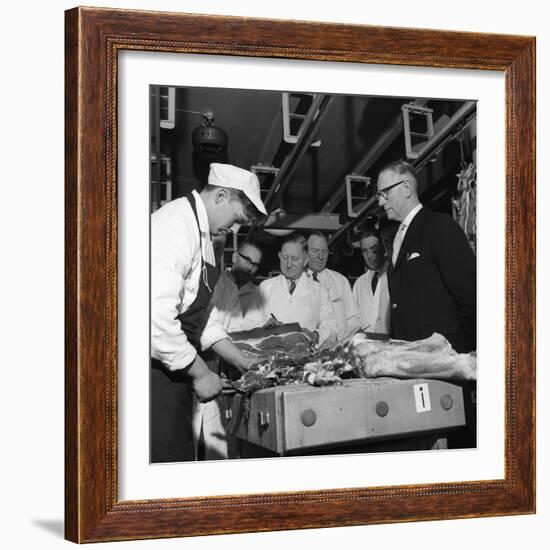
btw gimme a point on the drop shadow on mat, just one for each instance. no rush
(55, 527)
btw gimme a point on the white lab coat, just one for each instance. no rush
(224, 309)
(373, 310)
(246, 295)
(175, 272)
(343, 302)
(309, 305)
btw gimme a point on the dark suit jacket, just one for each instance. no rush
(433, 283)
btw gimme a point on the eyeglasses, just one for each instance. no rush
(385, 192)
(253, 264)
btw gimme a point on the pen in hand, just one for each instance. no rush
(272, 321)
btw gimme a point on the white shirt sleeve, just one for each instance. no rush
(224, 310)
(328, 326)
(361, 299)
(175, 261)
(255, 315)
(353, 321)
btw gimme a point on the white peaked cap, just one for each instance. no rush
(227, 175)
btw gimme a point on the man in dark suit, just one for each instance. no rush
(432, 278)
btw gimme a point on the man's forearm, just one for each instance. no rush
(228, 351)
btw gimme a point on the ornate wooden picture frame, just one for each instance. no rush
(94, 37)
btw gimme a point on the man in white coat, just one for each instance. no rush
(294, 297)
(371, 289)
(225, 314)
(337, 286)
(246, 261)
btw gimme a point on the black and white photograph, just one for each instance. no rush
(174, 391)
(312, 273)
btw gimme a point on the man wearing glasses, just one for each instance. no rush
(432, 276)
(337, 286)
(233, 293)
(225, 315)
(246, 261)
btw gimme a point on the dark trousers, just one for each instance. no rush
(171, 405)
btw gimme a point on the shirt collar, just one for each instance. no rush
(409, 217)
(204, 226)
(310, 272)
(381, 271)
(295, 280)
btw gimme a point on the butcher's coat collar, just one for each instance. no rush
(297, 281)
(204, 226)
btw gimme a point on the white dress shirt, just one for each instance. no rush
(309, 305)
(343, 302)
(374, 309)
(402, 231)
(175, 272)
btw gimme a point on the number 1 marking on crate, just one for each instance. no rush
(422, 398)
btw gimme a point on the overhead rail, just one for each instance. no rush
(353, 183)
(462, 117)
(168, 107)
(261, 170)
(372, 155)
(289, 115)
(279, 219)
(353, 221)
(412, 150)
(311, 123)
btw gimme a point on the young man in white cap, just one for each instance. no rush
(183, 277)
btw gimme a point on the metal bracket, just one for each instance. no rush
(164, 181)
(356, 184)
(413, 151)
(263, 419)
(168, 105)
(288, 115)
(261, 170)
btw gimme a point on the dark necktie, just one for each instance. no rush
(315, 276)
(292, 286)
(374, 282)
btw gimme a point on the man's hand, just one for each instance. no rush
(329, 343)
(312, 336)
(247, 361)
(206, 384)
(272, 322)
(230, 353)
